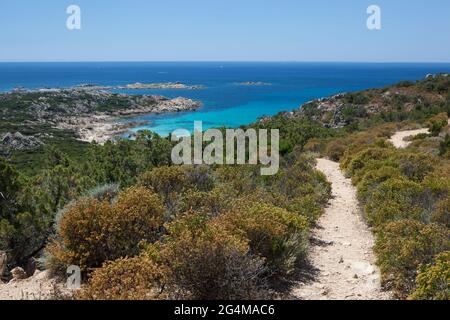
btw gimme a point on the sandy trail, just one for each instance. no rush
(398, 139)
(342, 252)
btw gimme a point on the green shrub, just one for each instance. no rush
(437, 123)
(239, 178)
(441, 214)
(373, 178)
(24, 222)
(405, 84)
(433, 281)
(10, 189)
(357, 98)
(437, 182)
(300, 180)
(420, 136)
(275, 234)
(368, 157)
(416, 166)
(444, 147)
(24, 235)
(394, 199)
(402, 246)
(306, 206)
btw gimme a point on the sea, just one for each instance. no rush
(226, 100)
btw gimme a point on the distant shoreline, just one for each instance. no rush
(94, 87)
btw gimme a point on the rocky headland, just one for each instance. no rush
(343, 109)
(90, 114)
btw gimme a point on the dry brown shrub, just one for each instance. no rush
(137, 278)
(92, 232)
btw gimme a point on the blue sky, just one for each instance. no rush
(225, 30)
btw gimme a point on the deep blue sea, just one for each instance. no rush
(225, 102)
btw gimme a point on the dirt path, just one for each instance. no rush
(342, 251)
(398, 139)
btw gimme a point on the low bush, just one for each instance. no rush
(441, 214)
(210, 203)
(415, 166)
(80, 238)
(402, 246)
(314, 146)
(444, 147)
(433, 281)
(165, 181)
(275, 234)
(238, 178)
(91, 232)
(372, 179)
(200, 177)
(335, 149)
(437, 123)
(437, 182)
(366, 158)
(306, 206)
(137, 278)
(394, 199)
(300, 180)
(207, 262)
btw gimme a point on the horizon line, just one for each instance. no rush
(222, 61)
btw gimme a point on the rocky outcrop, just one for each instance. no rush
(18, 141)
(18, 274)
(157, 104)
(40, 286)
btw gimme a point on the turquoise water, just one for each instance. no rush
(225, 102)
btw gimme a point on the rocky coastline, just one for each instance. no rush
(92, 115)
(103, 126)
